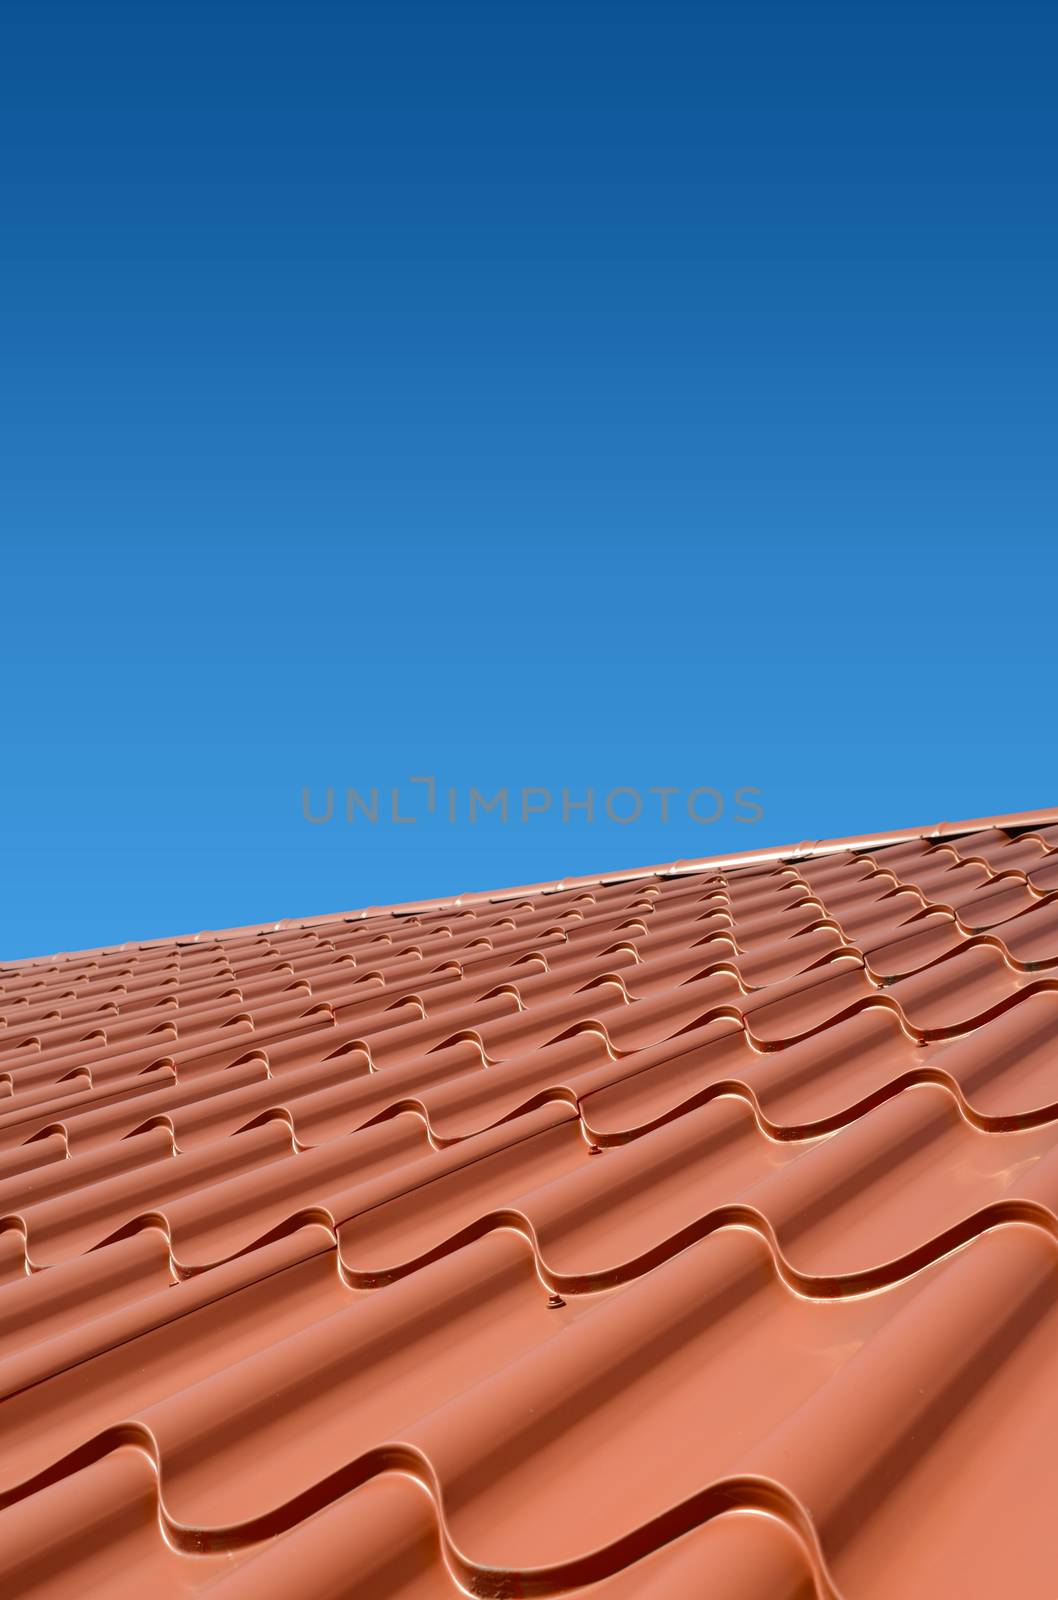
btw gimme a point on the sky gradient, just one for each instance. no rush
(551, 395)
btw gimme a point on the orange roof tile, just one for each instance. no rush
(688, 1232)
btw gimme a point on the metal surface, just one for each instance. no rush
(682, 1235)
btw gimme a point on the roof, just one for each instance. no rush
(693, 1233)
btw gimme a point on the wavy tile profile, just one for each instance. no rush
(692, 1232)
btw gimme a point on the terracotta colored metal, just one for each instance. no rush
(693, 1232)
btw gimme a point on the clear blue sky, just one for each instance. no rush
(624, 395)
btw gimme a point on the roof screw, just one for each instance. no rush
(554, 1301)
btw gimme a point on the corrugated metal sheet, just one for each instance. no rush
(691, 1234)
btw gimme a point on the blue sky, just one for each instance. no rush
(552, 395)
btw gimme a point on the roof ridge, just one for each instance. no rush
(805, 850)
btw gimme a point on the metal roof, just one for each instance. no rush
(693, 1232)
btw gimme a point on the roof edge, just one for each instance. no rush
(1020, 820)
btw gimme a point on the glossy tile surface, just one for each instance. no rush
(689, 1233)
